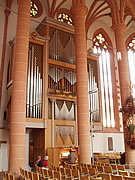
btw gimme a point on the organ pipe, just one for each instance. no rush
(93, 95)
(34, 87)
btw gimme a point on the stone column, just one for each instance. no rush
(53, 101)
(18, 101)
(79, 11)
(76, 122)
(119, 30)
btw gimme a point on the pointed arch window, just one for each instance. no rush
(101, 47)
(63, 17)
(131, 62)
(36, 9)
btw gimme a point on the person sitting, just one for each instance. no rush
(45, 162)
(71, 157)
(39, 161)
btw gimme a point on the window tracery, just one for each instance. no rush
(100, 42)
(63, 17)
(131, 45)
(34, 9)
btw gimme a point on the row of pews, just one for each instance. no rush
(97, 171)
(7, 176)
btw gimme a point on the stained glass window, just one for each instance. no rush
(131, 45)
(101, 47)
(63, 17)
(100, 42)
(34, 9)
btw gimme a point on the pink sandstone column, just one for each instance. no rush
(18, 101)
(79, 11)
(124, 77)
(123, 64)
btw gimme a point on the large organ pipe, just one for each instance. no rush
(31, 85)
(93, 95)
(28, 86)
(34, 93)
(40, 98)
(37, 94)
(34, 87)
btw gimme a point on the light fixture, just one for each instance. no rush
(119, 57)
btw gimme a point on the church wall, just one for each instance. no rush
(10, 35)
(4, 133)
(4, 144)
(2, 19)
(100, 142)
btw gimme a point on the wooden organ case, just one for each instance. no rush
(58, 63)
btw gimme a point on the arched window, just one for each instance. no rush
(64, 17)
(131, 62)
(36, 9)
(101, 47)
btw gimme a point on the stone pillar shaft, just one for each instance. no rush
(76, 123)
(123, 68)
(123, 64)
(79, 11)
(18, 101)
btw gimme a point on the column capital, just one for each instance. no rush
(121, 27)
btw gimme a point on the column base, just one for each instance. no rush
(130, 166)
(28, 168)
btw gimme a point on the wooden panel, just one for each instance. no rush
(59, 141)
(36, 41)
(62, 64)
(39, 143)
(53, 157)
(64, 136)
(34, 120)
(68, 141)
